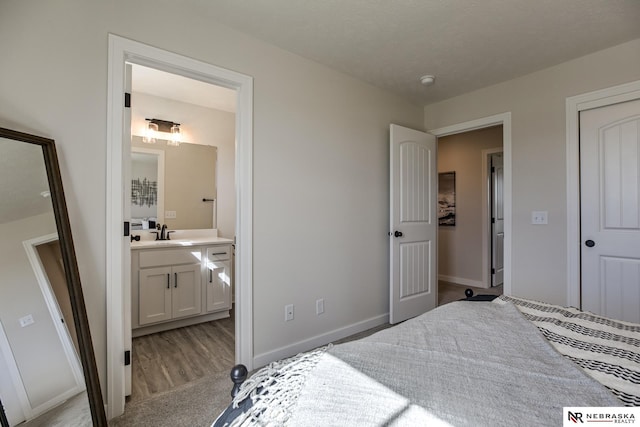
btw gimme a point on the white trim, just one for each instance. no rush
(574, 105)
(503, 119)
(121, 51)
(486, 216)
(462, 281)
(319, 340)
(14, 373)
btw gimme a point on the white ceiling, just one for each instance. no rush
(467, 44)
(178, 88)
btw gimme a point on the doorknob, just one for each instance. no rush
(590, 243)
(398, 234)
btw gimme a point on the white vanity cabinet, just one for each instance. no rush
(178, 286)
(218, 266)
(169, 293)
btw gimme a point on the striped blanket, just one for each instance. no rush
(607, 350)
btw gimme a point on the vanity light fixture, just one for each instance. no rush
(155, 129)
(175, 135)
(150, 132)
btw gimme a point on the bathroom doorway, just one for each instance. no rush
(183, 180)
(122, 53)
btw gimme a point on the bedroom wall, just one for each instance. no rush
(460, 247)
(537, 104)
(320, 154)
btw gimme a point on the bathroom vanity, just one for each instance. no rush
(179, 282)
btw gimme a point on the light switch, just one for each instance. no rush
(169, 214)
(539, 217)
(26, 320)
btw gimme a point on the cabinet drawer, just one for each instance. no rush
(219, 253)
(155, 258)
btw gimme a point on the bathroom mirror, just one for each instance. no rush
(42, 371)
(174, 181)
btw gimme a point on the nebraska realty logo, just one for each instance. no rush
(600, 415)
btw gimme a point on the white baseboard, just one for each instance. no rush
(462, 281)
(263, 359)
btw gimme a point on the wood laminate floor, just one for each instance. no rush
(165, 360)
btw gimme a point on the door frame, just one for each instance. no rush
(503, 119)
(122, 51)
(574, 105)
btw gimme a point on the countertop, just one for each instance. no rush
(179, 238)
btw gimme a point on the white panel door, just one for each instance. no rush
(497, 219)
(610, 210)
(414, 223)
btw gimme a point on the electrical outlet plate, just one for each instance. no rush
(288, 312)
(26, 320)
(539, 217)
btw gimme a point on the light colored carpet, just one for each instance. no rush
(194, 404)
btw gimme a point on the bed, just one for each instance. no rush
(509, 361)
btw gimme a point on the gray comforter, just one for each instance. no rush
(464, 364)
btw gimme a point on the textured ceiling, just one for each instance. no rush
(467, 44)
(23, 177)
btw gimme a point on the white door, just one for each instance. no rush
(497, 219)
(610, 210)
(414, 223)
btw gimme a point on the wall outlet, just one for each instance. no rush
(26, 320)
(539, 217)
(320, 306)
(288, 312)
(169, 214)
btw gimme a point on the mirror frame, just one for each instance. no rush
(72, 275)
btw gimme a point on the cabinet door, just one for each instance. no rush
(155, 295)
(218, 285)
(187, 290)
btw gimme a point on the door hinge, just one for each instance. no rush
(126, 228)
(493, 220)
(493, 169)
(127, 100)
(493, 271)
(127, 357)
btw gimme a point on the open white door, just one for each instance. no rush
(497, 220)
(126, 244)
(414, 223)
(610, 210)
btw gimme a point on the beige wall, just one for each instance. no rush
(36, 348)
(460, 247)
(321, 162)
(537, 104)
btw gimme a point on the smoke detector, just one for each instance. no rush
(427, 80)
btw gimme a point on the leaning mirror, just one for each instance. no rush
(48, 371)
